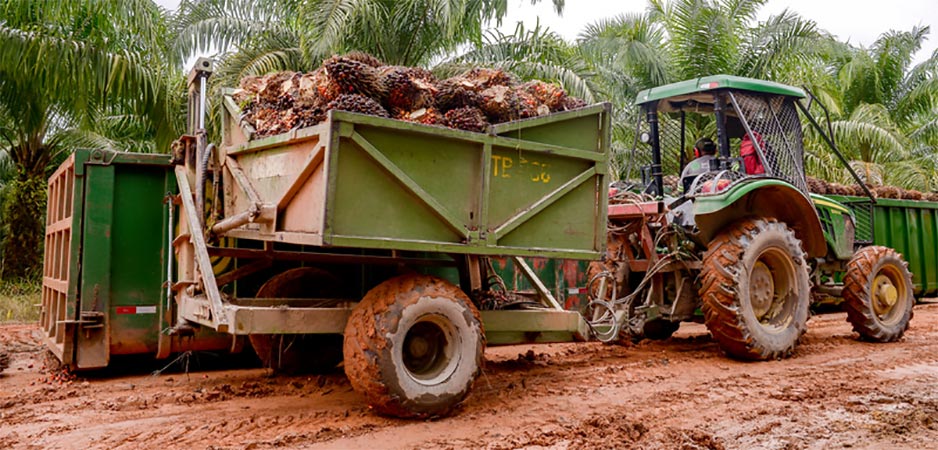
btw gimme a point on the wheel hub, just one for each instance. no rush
(428, 350)
(885, 294)
(418, 347)
(761, 289)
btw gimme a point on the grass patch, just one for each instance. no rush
(19, 300)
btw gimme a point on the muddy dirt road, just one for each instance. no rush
(836, 392)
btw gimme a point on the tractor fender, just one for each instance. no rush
(762, 198)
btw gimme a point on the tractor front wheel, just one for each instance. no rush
(755, 289)
(414, 346)
(878, 294)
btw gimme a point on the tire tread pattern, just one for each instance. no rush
(858, 283)
(722, 262)
(373, 318)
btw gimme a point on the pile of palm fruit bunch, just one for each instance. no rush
(361, 83)
(818, 186)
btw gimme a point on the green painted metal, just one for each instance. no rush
(524, 188)
(396, 185)
(714, 82)
(834, 218)
(512, 327)
(911, 228)
(120, 240)
(565, 278)
(709, 204)
(761, 198)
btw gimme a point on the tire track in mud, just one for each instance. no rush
(834, 391)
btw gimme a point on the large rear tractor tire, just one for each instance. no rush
(878, 294)
(294, 354)
(414, 346)
(755, 289)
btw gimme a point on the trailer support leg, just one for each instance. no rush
(536, 282)
(204, 262)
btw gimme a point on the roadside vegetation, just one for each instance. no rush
(19, 300)
(109, 74)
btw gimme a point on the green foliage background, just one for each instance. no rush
(108, 74)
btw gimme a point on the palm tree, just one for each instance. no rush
(683, 39)
(65, 66)
(883, 111)
(256, 37)
(536, 53)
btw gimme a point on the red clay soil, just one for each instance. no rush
(834, 392)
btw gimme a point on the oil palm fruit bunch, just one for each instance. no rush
(817, 186)
(911, 194)
(888, 192)
(309, 116)
(570, 103)
(359, 104)
(365, 58)
(503, 104)
(483, 78)
(359, 82)
(271, 89)
(408, 88)
(354, 77)
(467, 118)
(549, 94)
(426, 116)
(456, 92)
(316, 88)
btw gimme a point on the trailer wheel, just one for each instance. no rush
(299, 353)
(4, 360)
(878, 294)
(755, 289)
(414, 346)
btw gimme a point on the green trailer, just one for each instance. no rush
(106, 249)
(908, 226)
(382, 243)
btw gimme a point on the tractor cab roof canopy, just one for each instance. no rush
(697, 94)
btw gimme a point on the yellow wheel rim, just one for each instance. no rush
(888, 294)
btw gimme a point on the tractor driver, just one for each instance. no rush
(704, 151)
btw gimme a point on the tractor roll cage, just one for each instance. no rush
(764, 111)
(770, 121)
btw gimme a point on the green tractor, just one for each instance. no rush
(741, 245)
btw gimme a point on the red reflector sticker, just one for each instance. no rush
(135, 310)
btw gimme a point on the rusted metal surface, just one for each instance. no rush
(624, 211)
(217, 319)
(565, 279)
(58, 302)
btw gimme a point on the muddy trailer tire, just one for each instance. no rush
(414, 346)
(294, 354)
(878, 294)
(4, 360)
(755, 289)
